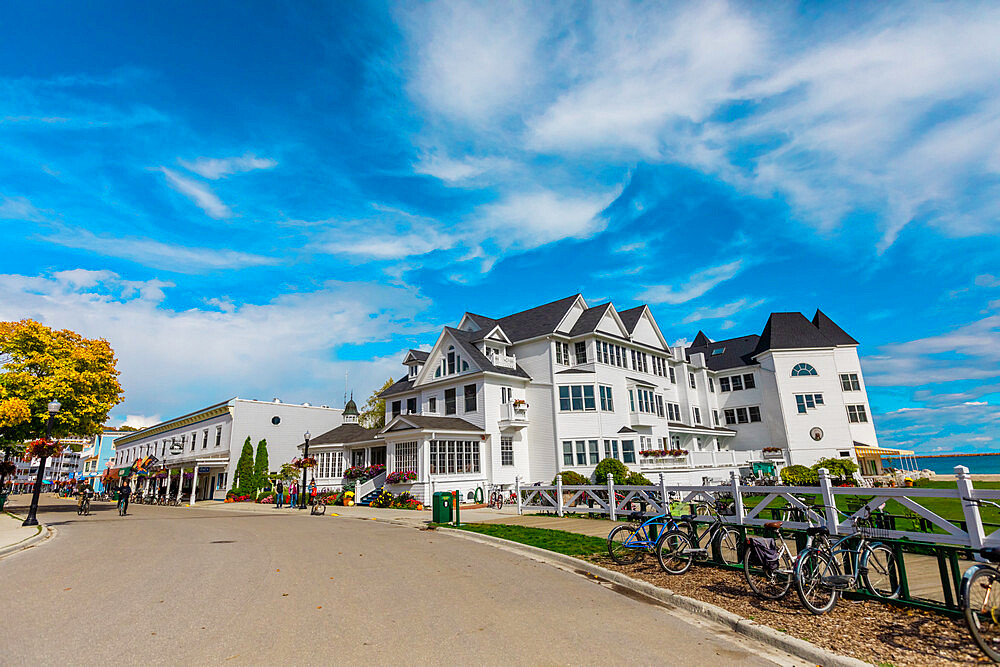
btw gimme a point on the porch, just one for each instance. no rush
(870, 459)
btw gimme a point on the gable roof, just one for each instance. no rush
(417, 355)
(344, 434)
(482, 321)
(401, 386)
(537, 321)
(789, 331)
(738, 351)
(466, 340)
(701, 340)
(589, 319)
(631, 317)
(830, 329)
(429, 422)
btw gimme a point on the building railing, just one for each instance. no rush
(617, 500)
(503, 360)
(714, 459)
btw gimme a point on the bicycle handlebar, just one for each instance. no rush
(981, 501)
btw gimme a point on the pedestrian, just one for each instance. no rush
(293, 492)
(124, 491)
(280, 495)
(312, 492)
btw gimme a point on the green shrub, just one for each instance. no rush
(799, 476)
(571, 477)
(637, 479)
(263, 494)
(613, 467)
(842, 469)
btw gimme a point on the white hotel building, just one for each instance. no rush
(208, 443)
(564, 385)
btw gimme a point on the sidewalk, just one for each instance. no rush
(13, 533)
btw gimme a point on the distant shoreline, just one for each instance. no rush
(940, 456)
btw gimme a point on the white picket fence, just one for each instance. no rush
(602, 499)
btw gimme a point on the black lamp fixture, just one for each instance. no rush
(32, 520)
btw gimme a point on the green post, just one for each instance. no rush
(457, 521)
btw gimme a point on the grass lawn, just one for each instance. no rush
(560, 541)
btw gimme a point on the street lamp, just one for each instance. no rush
(31, 520)
(302, 491)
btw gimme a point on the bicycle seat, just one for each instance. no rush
(636, 517)
(813, 531)
(688, 517)
(991, 554)
(773, 525)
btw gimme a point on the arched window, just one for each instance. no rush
(803, 369)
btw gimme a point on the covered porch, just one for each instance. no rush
(198, 479)
(870, 459)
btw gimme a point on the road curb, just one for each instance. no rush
(744, 626)
(45, 533)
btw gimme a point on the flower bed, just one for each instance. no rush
(403, 501)
(400, 477)
(663, 452)
(238, 499)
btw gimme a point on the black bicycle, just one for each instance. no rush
(83, 507)
(677, 549)
(980, 598)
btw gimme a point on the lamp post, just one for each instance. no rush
(302, 490)
(32, 520)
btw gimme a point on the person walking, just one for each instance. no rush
(293, 492)
(124, 491)
(312, 492)
(280, 495)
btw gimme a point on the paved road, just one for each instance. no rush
(201, 586)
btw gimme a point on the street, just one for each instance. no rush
(176, 585)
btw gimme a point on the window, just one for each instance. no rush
(715, 417)
(844, 454)
(717, 351)
(694, 385)
(397, 407)
(413, 371)
(406, 457)
(329, 464)
(411, 406)
(857, 413)
(452, 363)
(754, 413)
(470, 398)
(737, 382)
(675, 442)
(577, 398)
(673, 375)
(611, 449)
(581, 452)
(606, 403)
(449, 457)
(805, 402)
(562, 353)
(567, 452)
(673, 412)
(506, 450)
(659, 406)
(220, 481)
(506, 395)
(580, 350)
(204, 440)
(449, 401)
(432, 404)
(613, 355)
(628, 452)
(218, 436)
(803, 369)
(595, 455)
(748, 381)
(697, 414)
(451, 360)
(711, 385)
(742, 415)
(849, 382)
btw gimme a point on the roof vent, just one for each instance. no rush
(276, 400)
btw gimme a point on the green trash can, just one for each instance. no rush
(442, 507)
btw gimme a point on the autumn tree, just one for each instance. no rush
(372, 415)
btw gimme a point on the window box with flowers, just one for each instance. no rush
(401, 477)
(773, 453)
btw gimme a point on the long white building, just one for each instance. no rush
(199, 451)
(564, 385)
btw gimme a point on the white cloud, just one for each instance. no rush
(176, 360)
(19, 208)
(216, 168)
(148, 252)
(197, 192)
(721, 312)
(531, 219)
(987, 280)
(387, 234)
(968, 426)
(463, 171)
(141, 421)
(696, 285)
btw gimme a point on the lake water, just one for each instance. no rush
(945, 465)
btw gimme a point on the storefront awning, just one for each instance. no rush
(876, 452)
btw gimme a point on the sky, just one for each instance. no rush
(278, 199)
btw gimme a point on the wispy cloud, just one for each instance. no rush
(987, 280)
(197, 192)
(19, 208)
(962, 427)
(216, 168)
(721, 312)
(696, 285)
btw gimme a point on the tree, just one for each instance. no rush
(614, 467)
(243, 480)
(842, 469)
(260, 466)
(38, 365)
(798, 475)
(373, 413)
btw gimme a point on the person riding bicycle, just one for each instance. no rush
(86, 490)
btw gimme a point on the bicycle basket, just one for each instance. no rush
(872, 526)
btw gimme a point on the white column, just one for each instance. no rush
(194, 485)
(832, 519)
(168, 483)
(517, 490)
(734, 481)
(612, 501)
(973, 521)
(559, 496)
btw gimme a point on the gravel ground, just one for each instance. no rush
(870, 631)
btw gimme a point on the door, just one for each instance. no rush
(357, 457)
(378, 456)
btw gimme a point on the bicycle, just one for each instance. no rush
(769, 568)
(678, 548)
(979, 598)
(316, 507)
(83, 507)
(627, 543)
(496, 498)
(820, 581)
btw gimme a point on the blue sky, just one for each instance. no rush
(259, 199)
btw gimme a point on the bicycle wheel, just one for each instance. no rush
(812, 581)
(86, 508)
(880, 572)
(766, 583)
(79, 509)
(981, 606)
(673, 550)
(620, 547)
(728, 545)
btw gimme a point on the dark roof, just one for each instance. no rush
(428, 422)
(419, 355)
(626, 429)
(630, 317)
(401, 385)
(482, 321)
(789, 331)
(351, 408)
(701, 340)
(574, 370)
(830, 329)
(738, 352)
(536, 321)
(589, 319)
(467, 341)
(343, 434)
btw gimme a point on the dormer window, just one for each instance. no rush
(718, 351)
(414, 370)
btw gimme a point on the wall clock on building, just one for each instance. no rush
(816, 433)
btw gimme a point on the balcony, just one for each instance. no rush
(644, 419)
(513, 415)
(503, 360)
